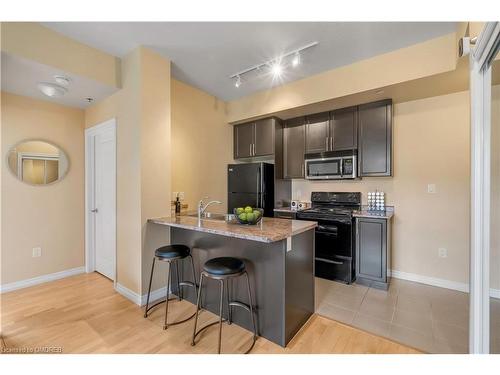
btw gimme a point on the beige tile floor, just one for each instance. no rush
(427, 318)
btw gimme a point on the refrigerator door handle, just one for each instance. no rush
(258, 185)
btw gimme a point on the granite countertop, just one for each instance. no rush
(388, 213)
(268, 230)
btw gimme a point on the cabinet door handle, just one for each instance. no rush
(254, 149)
(250, 149)
(326, 143)
(331, 143)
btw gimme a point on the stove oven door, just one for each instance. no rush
(334, 251)
(334, 238)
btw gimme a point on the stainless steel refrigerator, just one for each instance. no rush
(251, 184)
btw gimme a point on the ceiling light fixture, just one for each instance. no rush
(62, 80)
(276, 65)
(238, 82)
(277, 69)
(51, 89)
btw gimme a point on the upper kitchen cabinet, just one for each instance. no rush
(294, 141)
(254, 138)
(332, 131)
(375, 139)
(344, 129)
(317, 133)
(264, 137)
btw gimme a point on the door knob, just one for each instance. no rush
(95, 210)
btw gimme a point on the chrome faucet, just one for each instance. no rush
(202, 206)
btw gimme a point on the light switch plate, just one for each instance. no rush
(431, 188)
(37, 252)
(442, 252)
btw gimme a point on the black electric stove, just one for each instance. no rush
(335, 240)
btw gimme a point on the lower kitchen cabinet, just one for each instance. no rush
(373, 251)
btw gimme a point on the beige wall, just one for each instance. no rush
(33, 41)
(431, 145)
(142, 112)
(201, 145)
(51, 217)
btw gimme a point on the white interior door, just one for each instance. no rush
(101, 199)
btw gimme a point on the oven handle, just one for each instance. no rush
(329, 261)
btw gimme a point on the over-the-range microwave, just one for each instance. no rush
(333, 165)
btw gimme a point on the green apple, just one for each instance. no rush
(256, 213)
(248, 209)
(250, 217)
(242, 216)
(240, 210)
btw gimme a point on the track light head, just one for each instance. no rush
(296, 59)
(238, 82)
(276, 69)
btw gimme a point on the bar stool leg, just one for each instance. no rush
(229, 307)
(220, 312)
(194, 275)
(179, 290)
(165, 326)
(251, 307)
(149, 289)
(198, 300)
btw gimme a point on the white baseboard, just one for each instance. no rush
(434, 281)
(4, 288)
(140, 299)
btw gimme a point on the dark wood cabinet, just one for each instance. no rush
(372, 251)
(285, 214)
(375, 139)
(332, 131)
(317, 133)
(294, 138)
(243, 140)
(254, 139)
(264, 137)
(344, 129)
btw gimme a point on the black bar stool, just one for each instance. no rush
(171, 254)
(224, 269)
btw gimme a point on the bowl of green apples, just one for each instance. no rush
(248, 215)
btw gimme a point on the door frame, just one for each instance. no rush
(89, 193)
(480, 59)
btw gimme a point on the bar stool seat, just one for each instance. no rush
(224, 266)
(172, 251)
(223, 270)
(172, 255)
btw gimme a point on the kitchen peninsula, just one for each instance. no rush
(279, 256)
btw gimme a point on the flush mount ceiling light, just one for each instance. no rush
(276, 65)
(62, 80)
(51, 89)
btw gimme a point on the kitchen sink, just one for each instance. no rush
(213, 216)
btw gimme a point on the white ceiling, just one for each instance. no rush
(21, 76)
(205, 54)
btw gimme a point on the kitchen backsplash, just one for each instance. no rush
(301, 189)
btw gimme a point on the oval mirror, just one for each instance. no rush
(37, 162)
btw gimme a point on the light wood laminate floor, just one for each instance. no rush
(83, 314)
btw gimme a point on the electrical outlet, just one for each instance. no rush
(37, 252)
(181, 195)
(431, 188)
(442, 252)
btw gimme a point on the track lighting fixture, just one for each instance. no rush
(274, 66)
